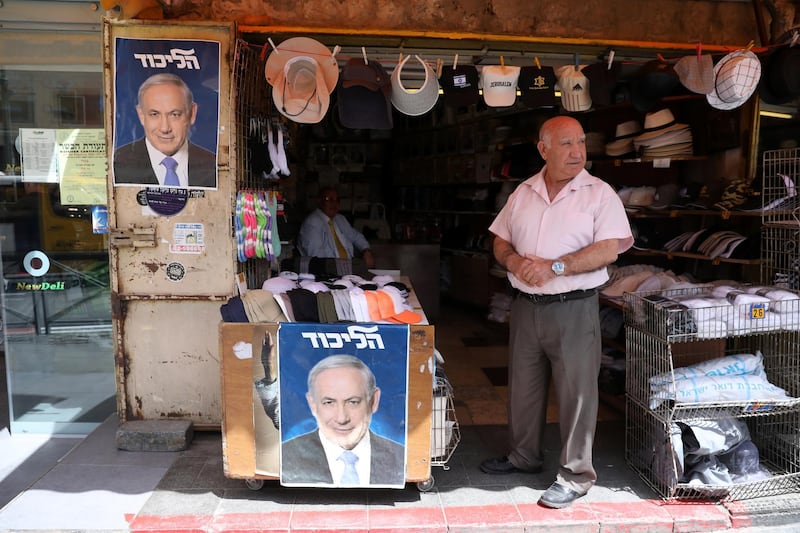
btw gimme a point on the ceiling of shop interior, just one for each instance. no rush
(479, 52)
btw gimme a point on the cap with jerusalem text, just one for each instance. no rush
(537, 86)
(460, 85)
(499, 84)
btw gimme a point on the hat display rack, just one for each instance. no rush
(728, 79)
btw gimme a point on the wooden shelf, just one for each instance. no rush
(688, 255)
(615, 303)
(675, 213)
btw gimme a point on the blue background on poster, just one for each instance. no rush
(204, 83)
(296, 357)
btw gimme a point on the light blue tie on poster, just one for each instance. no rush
(172, 176)
(349, 476)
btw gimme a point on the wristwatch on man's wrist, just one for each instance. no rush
(558, 268)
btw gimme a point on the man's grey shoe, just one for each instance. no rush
(558, 496)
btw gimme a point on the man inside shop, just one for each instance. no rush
(327, 233)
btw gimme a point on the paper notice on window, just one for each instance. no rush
(82, 165)
(39, 162)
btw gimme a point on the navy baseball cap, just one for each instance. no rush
(460, 85)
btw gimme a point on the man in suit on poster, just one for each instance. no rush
(342, 451)
(164, 156)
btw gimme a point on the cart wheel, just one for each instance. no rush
(425, 486)
(254, 484)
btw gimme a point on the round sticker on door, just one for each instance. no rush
(166, 200)
(175, 271)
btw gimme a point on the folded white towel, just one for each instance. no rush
(721, 291)
(746, 300)
(790, 321)
(708, 308)
(783, 301)
(743, 324)
(711, 329)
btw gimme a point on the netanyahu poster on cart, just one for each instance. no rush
(343, 404)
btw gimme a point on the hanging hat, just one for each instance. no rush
(537, 86)
(652, 82)
(302, 46)
(603, 80)
(780, 82)
(623, 138)
(365, 95)
(736, 77)
(575, 95)
(300, 93)
(417, 102)
(499, 85)
(696, 73)
(460, 85)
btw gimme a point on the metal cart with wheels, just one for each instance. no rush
(445, 433)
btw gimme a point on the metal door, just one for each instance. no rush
(171, 249)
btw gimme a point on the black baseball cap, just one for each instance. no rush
(537, 86)
(460, 85)
(603, 80)
(365, 96)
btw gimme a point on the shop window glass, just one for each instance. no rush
(56, 320)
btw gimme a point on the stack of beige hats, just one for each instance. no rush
(623, 139)
(662, 137)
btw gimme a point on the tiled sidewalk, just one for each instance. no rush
(96, 487)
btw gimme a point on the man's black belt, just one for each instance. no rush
(552, 298)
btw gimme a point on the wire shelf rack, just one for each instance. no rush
(668, 349)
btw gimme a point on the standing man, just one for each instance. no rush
(555, 235)
(164, 156)
(327, 233)
(342, 451)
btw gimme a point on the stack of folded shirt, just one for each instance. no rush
(292, 297)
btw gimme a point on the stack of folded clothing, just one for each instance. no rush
(292, 297)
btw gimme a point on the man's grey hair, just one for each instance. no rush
(342, 361)
(166, 78)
